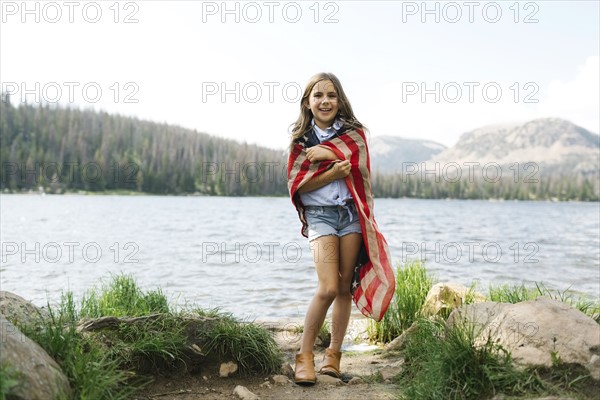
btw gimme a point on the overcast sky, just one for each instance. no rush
(235, 70)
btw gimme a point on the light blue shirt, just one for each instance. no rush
(334, 193)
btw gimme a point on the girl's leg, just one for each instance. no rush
(326, 257)
(349, 248)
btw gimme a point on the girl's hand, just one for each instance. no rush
(320, 153)
(341, 169)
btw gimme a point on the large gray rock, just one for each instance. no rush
(39, 375)
(20, 311)
(537, 331)
(477, 315)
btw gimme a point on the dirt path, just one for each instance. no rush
(370, 365)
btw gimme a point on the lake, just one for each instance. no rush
(246, 255)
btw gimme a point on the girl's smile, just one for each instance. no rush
(323, 102)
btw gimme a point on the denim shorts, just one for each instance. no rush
(331, 220)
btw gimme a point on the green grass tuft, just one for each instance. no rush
(250, 345)
(412, 285)
(123, 297)
(113, 362)
(442, 363)
(10, 379)
(91, 372)
(511, 294)
(148, 346)
(518, 293)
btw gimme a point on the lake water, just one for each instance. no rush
(246, 255)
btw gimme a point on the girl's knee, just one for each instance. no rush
(327, 294)
(344, 294)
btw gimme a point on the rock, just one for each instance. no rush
(329, 380)
(535, 330)
(444, 297)
(357, 380)
(594, 366)
(21, 312)
(287, 370)
(280, 379)
(244, 394)
(478, 315)
(227, 369)
(266, 384)
(40, 376)
(395, 344)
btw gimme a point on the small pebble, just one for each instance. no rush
(328, 380)
(244, 394)
(227, 369)
(280, 379)
(357, 380)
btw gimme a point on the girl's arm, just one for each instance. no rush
(338, 171)
(320, 153)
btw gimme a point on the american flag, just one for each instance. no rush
(373, 284)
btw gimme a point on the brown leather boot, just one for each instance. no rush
(305, 369)
(331, 363)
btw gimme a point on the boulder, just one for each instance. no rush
(39, 375)
(478, 315)
(20, 311)
(537, 332)
(444, 297)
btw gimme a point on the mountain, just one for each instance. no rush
(554, 144)
(389, 152)
(59, 150)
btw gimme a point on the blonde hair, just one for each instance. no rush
(303, 123)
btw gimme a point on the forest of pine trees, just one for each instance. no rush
(67, 149)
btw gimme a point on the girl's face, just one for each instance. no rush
(323, 102)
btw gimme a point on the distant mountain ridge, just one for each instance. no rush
(553, 143)
(49, 149)
(389, 152)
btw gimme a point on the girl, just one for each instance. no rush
(329, 183)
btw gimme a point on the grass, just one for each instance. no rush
(10, 379)
(440, 362)
(412, 284)
(518, 293)
(443, 363)
(375, 377)
(251, 346)
(91, 372)
(123, 297)
(115, 362)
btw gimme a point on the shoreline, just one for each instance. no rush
(126, 193)
(120, 336)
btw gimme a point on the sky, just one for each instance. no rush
(236, 69)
